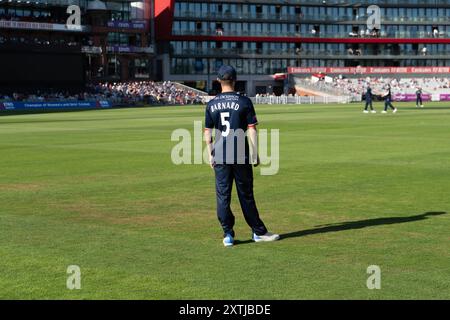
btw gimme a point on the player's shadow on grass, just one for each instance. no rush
(351, 225)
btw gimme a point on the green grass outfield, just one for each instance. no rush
(97, 189)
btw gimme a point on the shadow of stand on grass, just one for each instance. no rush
(352, 225)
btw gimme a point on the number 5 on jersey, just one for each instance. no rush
(224, 116)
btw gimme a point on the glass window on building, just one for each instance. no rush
(141, 68)
(200, 66)
(218, 63)
(113, 66)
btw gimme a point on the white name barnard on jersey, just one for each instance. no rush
(225, 106)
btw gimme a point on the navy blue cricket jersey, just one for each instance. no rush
(369, 94)
(389, 95)
(231, 114)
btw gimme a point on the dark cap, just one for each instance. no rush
(227, 73)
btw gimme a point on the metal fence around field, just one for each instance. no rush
(301, 100)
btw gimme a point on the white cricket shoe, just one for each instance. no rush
(365, 111)
(383, 111)
(228, 240)
(268, 237)
(373, 111)
(395, 110)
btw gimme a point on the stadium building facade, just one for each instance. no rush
(262, 38)
(39, 48)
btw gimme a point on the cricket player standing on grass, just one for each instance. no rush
(388, 100)
(232, 116)
(369, 101)
(419, 100)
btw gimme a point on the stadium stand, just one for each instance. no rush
(126, 45)
(356, 87)
(119, 93)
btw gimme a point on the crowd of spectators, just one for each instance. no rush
(368, 33)
(119, 93)
(265, 95)
(356, 52)
(149, 92)
(398, 85)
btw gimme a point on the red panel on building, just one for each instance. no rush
(164, 11)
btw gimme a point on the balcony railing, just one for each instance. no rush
(302, 18)
(295, 54)
(342, 35)
(443, 3)
(381, 3)
(259, 71)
